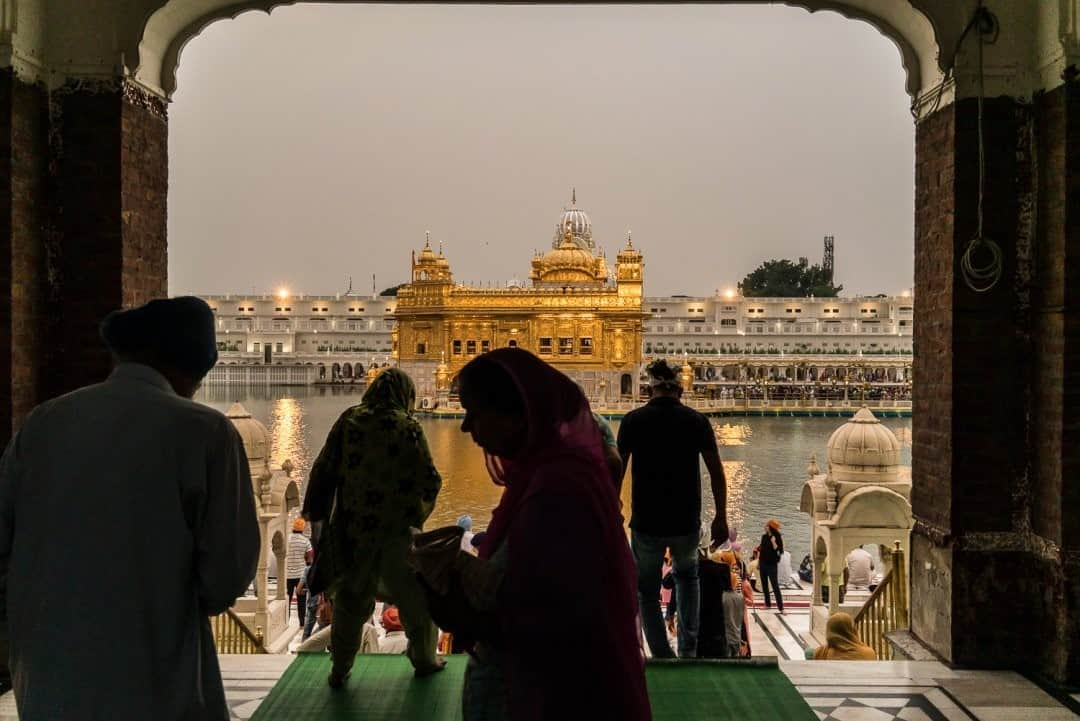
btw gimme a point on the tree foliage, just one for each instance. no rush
(392, 290)
(786, 279)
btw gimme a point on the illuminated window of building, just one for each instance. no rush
(586, 346)
(256, 346)
(485, 346)
(456, 347)
(545, 346)
(421, 348)
(278, 347)
(470, 347)
(566, 346)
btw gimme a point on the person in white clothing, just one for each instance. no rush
(784, 574)
(296, 559)
(126, 519)
(860, 567)
(394, 639)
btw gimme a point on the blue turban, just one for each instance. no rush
(465, 522)
(177, 332)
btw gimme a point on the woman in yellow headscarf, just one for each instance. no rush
(841, 642)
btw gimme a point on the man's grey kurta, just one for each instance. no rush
(126, 517)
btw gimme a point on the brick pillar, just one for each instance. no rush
(985, 578)
(110, 181)
(1056, 376)
(23, 202)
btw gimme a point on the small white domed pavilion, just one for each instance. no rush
(864, 498)
(277, 500)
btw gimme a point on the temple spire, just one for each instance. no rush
(427, 238)
(573, 197)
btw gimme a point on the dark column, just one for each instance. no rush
(1056, 377)
(109, 150)
(986, 579)
(23, 202)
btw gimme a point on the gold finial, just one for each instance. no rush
(629, 239)
(440, 247)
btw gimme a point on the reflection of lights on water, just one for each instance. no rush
(737, 474)
(287, 434)
(732, 435)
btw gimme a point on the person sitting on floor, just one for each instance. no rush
(860, 569)
(842, 643)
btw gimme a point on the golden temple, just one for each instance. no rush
(574, 314)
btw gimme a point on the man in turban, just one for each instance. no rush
(126, 519)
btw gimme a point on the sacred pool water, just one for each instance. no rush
(765, 459)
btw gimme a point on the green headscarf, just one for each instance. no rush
(391, 390)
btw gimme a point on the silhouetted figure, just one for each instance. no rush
(374, 480)
(665, 440)
(126, 518)
(543, 445)
(772, 547)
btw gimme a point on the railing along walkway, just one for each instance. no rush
(231, 635)
(887, 608)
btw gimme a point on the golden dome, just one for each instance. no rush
(569, 263)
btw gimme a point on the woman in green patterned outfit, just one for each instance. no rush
(374, 480)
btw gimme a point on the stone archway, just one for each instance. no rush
(95, 85)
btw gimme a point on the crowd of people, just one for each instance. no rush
(175, 517)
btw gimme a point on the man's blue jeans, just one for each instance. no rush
(649, 552)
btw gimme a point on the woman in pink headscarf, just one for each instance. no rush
(566, 643)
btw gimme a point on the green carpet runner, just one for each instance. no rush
(382, 688)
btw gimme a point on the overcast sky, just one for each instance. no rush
(321, 142)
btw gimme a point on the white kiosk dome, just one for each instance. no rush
(253, 433)
(863, 450)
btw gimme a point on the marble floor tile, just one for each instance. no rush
(859, 713)
(1010, 691)
(1021, 713)
(883, 701)
(912, 713)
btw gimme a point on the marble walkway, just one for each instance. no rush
(835, 690)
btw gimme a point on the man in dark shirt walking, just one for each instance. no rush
(665, 439)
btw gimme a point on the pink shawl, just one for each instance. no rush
(568, 602)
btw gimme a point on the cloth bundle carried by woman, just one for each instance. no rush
(461, 588)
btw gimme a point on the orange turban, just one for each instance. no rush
(390, 619)
(298, 525)
(774, 524)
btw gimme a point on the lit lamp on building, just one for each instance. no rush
(372, 372)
